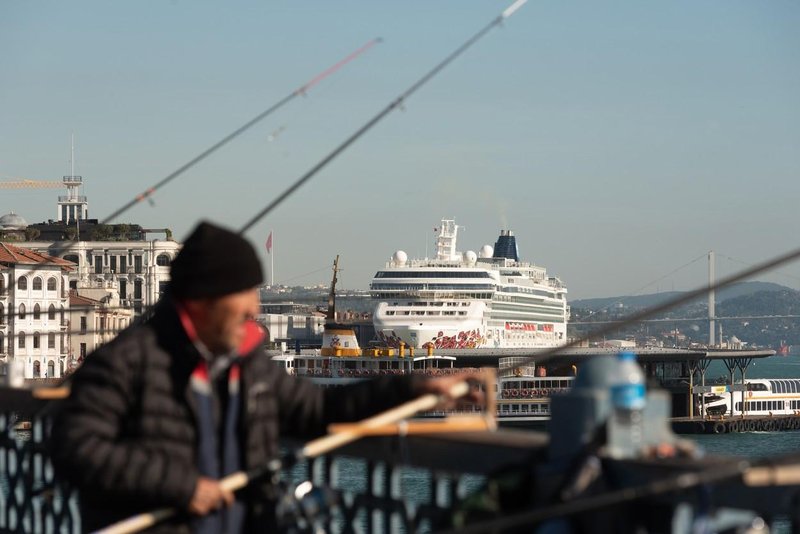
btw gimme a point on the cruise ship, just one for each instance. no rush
(469, 300)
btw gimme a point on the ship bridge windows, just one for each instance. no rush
(431, 293)
(432, 274)
(430, 287)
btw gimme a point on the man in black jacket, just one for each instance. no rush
(157, 416)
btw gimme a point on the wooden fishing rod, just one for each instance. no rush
(398, 102)
(312, 449)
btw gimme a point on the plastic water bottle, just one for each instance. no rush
(628, 398)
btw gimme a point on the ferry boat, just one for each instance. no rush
(762, 396)
(521, 400)
(469, 300)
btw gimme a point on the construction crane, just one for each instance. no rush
(31, 184)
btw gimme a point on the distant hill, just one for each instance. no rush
(761, 315)
(741, 289)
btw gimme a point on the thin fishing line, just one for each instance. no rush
(397, 103)
(767, 265)
(300, 91)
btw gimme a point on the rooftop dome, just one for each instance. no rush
(12, 221)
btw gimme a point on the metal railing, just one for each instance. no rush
(388, 484)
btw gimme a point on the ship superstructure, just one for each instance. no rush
(469, 300)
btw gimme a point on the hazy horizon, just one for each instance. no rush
(620, 142)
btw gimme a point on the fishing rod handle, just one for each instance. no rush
(330, 442)
(138, 522)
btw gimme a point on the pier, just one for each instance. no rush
(735, 424)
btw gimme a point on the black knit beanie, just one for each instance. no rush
(214, 262)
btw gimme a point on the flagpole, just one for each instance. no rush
(272, 261)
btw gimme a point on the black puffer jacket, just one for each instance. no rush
(127, 435)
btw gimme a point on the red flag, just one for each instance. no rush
(269, 244)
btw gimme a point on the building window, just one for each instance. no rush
(98, 264)
(137, 289)
(102, 325)
(52, 285)
(51, 340)
(51, 369)
(36, 340)
(51, 313)
(22, 283)
(137, 264)
(123, 289)
(123, 264)
(72, 257)
(22, 311)
(2, 343)
(21, 340)
(37, 369)
(37, 284)
(83, 351)
(83, 324)
(2, 319)
(162, 260)
(37, 312)
(113, 260)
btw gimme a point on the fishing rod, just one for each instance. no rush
(782, 471)
(398, 102)
(312, 449)
(300, 91)
(767, 265)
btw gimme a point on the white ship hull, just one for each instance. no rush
(465, 301)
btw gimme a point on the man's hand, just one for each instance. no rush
(442, 386)
(209, 496)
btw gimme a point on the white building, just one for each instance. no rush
(93, 321)
(137, 270)
(33, 325)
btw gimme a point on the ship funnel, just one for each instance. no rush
(506, 246)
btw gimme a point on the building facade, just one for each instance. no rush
(33, 322)
(93, 321)
(137, 270)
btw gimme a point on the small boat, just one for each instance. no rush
(762, 396)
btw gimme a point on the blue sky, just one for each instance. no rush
(619, 140)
